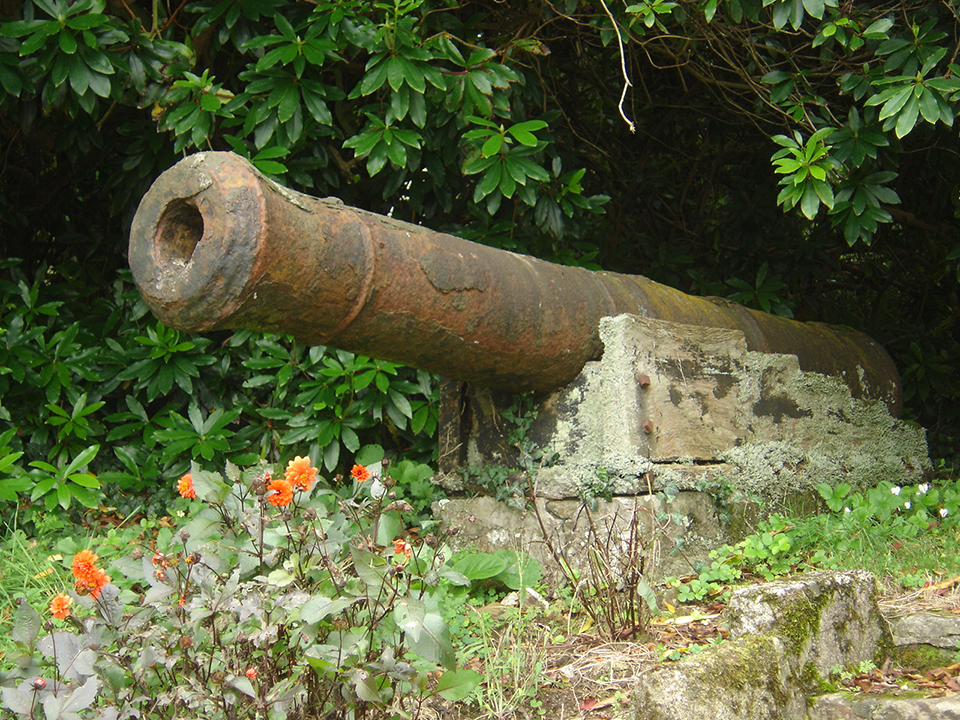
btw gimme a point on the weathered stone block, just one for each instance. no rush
(673, 405)
(484, 524)
(828, 619)
(735, 681)
(926, 629)
(786, 636)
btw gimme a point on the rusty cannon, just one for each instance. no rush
(216, 245)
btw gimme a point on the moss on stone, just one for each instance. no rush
(922, 657)
(813, 683)
(798, 621)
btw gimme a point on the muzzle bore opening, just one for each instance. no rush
(178, 233)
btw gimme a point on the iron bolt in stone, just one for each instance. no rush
(647, 426)
(643, 380)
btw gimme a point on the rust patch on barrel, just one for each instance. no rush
(452, 273)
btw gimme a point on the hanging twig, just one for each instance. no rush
(623, 67)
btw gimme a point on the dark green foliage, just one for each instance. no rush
(514, 124)
(104, 401)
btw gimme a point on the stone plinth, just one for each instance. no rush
(680, 407)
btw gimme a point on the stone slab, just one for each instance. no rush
(842, 706)
(927, 629)
(737, 681)
(830, 619)
(484, 524)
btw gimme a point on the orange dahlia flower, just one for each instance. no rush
(60, 606)
(90, 579)
(185, 487)
(402, 547)
(300, 474)
(282, 493)
(360, 473)
(85, 565)
(93, 585)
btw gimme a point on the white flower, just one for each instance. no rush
(944, 512)
(895, 490)
(906, 505)
(922, 488)
(846, 509)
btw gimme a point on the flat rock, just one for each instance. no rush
(840, 706)
(783, 635)
(926, 629)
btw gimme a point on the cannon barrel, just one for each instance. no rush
(216, 245)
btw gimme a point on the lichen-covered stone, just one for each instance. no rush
(746, 679)
(708, 409)
(486, 525)
(786, 637)
(829, 619)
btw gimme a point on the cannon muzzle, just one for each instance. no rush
(216, 245)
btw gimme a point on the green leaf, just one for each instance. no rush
(809, 201)
(455, 685)
(490, 180)
(908, 117)
(371, 568)
(374, 78)
(37, 40)
(929, 107)
(318, 607)
(82, 459)
(814, 8)
(26, 625)
(289, 102)
(413, 75)
(85, 480)
(67, 42)
(878, 30)
(395, 73)
(824, 192)
(369, 455)
(100, 84)
(492, 145)
(480, 566)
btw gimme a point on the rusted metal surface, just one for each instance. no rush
(215, 245)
